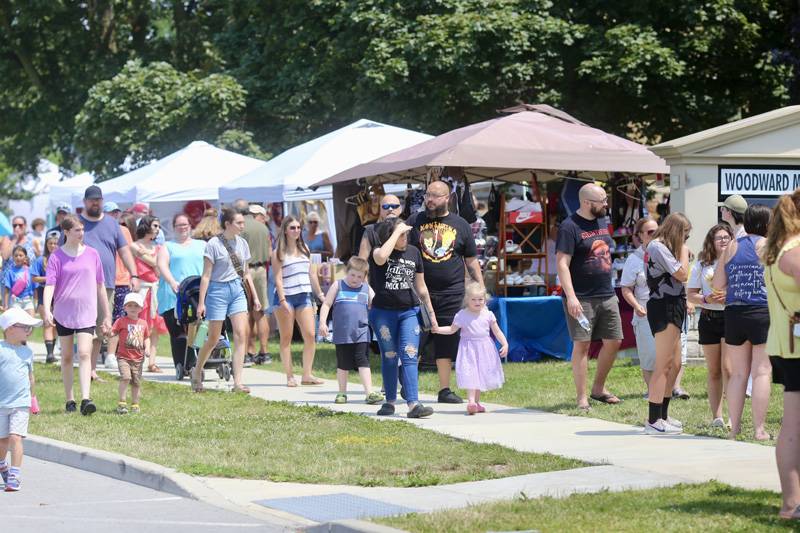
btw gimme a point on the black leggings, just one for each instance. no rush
(177, 336)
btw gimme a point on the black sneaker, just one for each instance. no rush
(88, 407)
(386, 409)
(50, 359)
(448, 396)
(263, 358)
(420, 411)
(71, 407)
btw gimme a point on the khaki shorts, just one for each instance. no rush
(130, 370)
(259, 275)
(603, 315)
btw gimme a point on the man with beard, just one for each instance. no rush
(104, 234)
(584, 269)
(447, 245)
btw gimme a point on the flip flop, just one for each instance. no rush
(605, 398)
(197, 386)
(291, 382)
(244, 389)
(586, 407)
(312, 381)
(794, 516)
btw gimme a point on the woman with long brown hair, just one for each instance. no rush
(667, 262)
(781, 255)
(711, 326)
(295, 282)
(740, 272)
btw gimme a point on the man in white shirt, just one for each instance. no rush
(732, 210)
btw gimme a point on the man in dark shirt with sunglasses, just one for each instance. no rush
(390, 208)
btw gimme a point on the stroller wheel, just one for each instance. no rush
(226, 372)
(179, 374)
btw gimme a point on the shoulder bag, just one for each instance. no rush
(237, 266)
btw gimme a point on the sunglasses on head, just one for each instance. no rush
(390, 206)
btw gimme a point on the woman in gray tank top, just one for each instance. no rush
(295, 281)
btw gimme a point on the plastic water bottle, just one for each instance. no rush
(584, 322)
(201, 335)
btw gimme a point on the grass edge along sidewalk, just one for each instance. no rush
(710, 506)
(231, 435)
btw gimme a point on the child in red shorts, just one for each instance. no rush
(130, 342)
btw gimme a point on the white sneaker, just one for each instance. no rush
(111, 361)
(674, 422)
(719, 423)
(660, 428)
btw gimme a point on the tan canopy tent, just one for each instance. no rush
(529, 138)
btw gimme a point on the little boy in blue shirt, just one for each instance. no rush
(16, 380)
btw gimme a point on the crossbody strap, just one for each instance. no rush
(775, 290)
(237, 263)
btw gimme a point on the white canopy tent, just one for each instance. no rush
(70, 191)
(192, 173)
(311, 162)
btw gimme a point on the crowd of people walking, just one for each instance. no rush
(108, 274)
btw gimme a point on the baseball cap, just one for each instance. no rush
(736, 202)
(134, 297)
(15, 315)
(93, 192)
(140, 209)
(256, 209)
(63, 208)
(109, 207)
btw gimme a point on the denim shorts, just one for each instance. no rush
(225, 299)
(295, 301)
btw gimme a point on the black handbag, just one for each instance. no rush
(424, 315)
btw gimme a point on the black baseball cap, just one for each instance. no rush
(93, 192)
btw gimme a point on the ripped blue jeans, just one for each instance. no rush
(398, 336)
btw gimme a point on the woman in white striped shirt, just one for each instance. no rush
(295, 281)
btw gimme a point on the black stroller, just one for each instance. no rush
(186, 314)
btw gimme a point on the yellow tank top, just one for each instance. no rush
(775, 279)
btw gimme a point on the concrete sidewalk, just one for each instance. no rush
(626, 458)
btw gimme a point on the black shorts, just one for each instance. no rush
(746, 323)
(352, 356)
(710, 327)
(786, 372)
(445, 307)
(664, 311)
(62, 331)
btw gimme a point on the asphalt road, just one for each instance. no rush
(63, 499)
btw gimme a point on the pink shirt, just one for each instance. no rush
(75, 280)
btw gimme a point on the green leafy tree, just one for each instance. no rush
(147, 112)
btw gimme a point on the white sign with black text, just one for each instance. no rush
(758, 181)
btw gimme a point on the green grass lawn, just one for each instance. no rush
(708, 507)
(232, 435)
(548, 386)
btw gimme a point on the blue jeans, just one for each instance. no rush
(398, 334)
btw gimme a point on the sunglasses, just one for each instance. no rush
(313, 222)
(651, 232)
(18, 225)
(294, 228)
(24, 326)
(386, 207)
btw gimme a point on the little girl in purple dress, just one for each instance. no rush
(478, 365)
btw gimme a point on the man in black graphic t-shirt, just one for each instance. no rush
(448, 247)
(584, 267)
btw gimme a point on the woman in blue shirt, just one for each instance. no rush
(317, 241)
(740, 273)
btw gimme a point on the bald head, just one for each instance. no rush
(594, 201)
(390, 207)
(242, 206)
(436, 199)
(439, 188)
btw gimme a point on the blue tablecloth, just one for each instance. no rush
(534, 327)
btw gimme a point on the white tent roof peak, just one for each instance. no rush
(311, 162)
(729, 133)
(192, 173)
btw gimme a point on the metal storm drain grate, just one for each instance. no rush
(335, 507)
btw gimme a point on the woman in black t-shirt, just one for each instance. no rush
(395, 271)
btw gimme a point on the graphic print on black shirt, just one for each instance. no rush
(444, 243)
(392, 280)
(590, 245)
